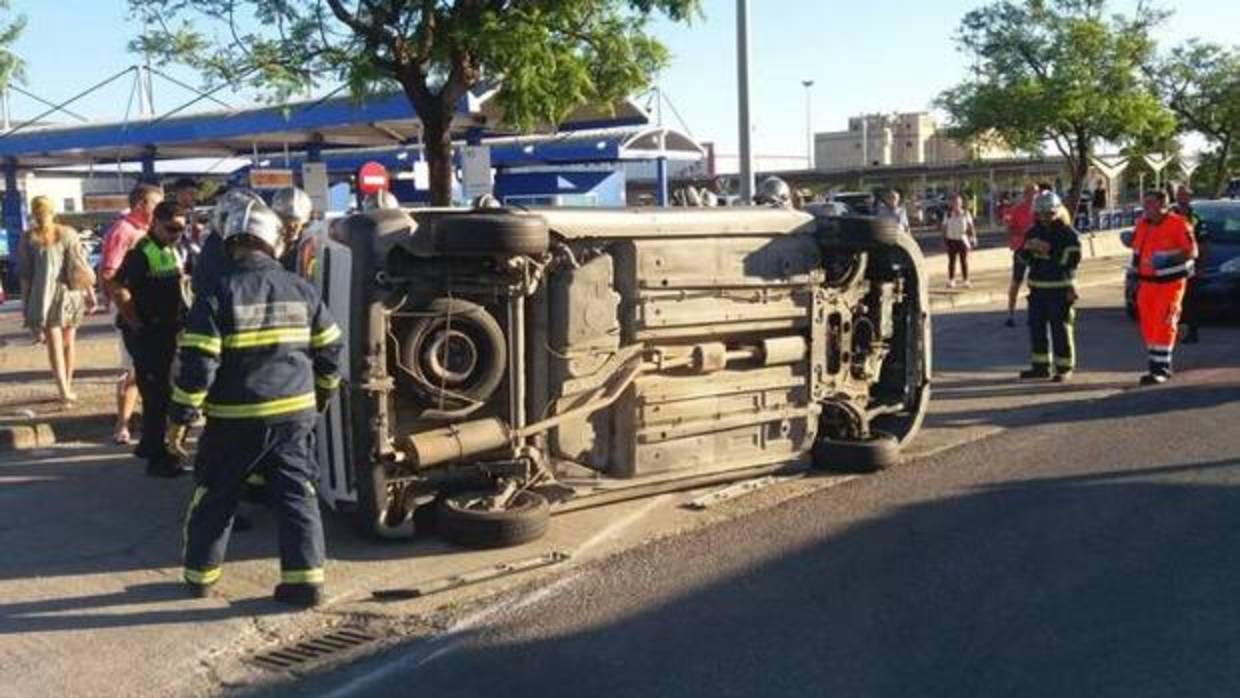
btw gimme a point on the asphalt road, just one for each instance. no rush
(1092, 553)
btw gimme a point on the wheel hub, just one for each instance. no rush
(450, 357)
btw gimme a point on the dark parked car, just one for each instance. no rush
(1218, 269)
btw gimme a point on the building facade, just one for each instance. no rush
(881, 140)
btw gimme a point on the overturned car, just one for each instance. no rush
(506, 365)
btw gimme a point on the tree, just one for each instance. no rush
(12, 67)
(1059, 72)
(545, 57)
(1200, 82)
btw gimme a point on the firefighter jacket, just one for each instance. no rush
(1163, 252)
(259, 347)
(1056, 267)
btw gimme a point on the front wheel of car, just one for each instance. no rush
(878, 451)
(461, 519)
(868, 231)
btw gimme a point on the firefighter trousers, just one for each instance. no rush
(1052, 321)
(153, 351)
(284, 454)
(1158, 308)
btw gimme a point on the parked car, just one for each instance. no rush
(1218, 269)
(501, 365)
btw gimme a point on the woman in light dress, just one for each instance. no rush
(51, 310)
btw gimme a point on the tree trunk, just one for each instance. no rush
(1221, 170)
(1080, 171)
(437, 141)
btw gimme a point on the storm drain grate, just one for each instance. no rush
(313, 650)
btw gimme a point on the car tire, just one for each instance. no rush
(526, 520)
(867, 231)
(879, 452)
(491, 235)
(471, 327)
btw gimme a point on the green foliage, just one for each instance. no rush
(1057, 71)
(544, 58)
(12, 67)
(1200, 82)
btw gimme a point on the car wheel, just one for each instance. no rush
(878, 452)
(454, 355)
(491, 234)
(867, 231)
(459, 521)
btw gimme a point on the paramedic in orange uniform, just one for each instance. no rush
(1163, 255)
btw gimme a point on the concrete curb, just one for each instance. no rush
(22, 437)
(946, 301)
(1105, 243)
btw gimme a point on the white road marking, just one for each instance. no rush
(450, 640)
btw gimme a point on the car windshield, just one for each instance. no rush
(1221, 221)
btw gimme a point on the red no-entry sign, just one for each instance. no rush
(371, 178)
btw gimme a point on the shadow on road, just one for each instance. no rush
(1110, 585)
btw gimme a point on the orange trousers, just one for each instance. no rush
(1158, 307)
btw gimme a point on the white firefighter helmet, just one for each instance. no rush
(1047, 202)
(293, 204)
(257, 221)
(227, 203)
(773, 190)
(380, 200)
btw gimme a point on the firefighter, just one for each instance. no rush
(259, 356)
(212, 261)
(1051, 252)
(1163, 256)
(1192, 309)
(294, 207)
(151, 300)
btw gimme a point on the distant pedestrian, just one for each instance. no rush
(888, 207)
(185, 190)
(150, 293)
(1163, 257)
(1052, 251)
(120, 237)
(959, 234)
(53, 300)
(1098, 204)
(1192, 303)
(1019, 220)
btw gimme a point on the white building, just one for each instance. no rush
(880, 140)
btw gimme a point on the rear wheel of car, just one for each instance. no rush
(460, 519)
(491, 234)
(867, 231)
(878, 452)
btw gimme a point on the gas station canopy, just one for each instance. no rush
(322, 124)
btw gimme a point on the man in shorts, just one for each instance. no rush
(1019, 220)
(119, 238)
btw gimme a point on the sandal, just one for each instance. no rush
(122, 438)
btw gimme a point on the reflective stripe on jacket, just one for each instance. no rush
(1055, 268)
(258, 347)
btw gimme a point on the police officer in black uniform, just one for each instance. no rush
(1052, 251)
(150, 297)
(260, 356)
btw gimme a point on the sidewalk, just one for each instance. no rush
(28, 396)
(991, 286)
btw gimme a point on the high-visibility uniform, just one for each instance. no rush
(152, 272)
(257, 355)
(1162, 258)
(1052, 294)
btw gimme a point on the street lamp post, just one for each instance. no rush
(809, 124)
(742, 95)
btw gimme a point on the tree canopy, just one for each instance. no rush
(1200, 82)
(544, 57)
(12, 67)
(1062, 72)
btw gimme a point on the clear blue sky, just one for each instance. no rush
(862, 56)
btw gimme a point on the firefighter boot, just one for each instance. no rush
(1036, 372)
(299, 594)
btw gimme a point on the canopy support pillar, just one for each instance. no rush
(14, 219)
